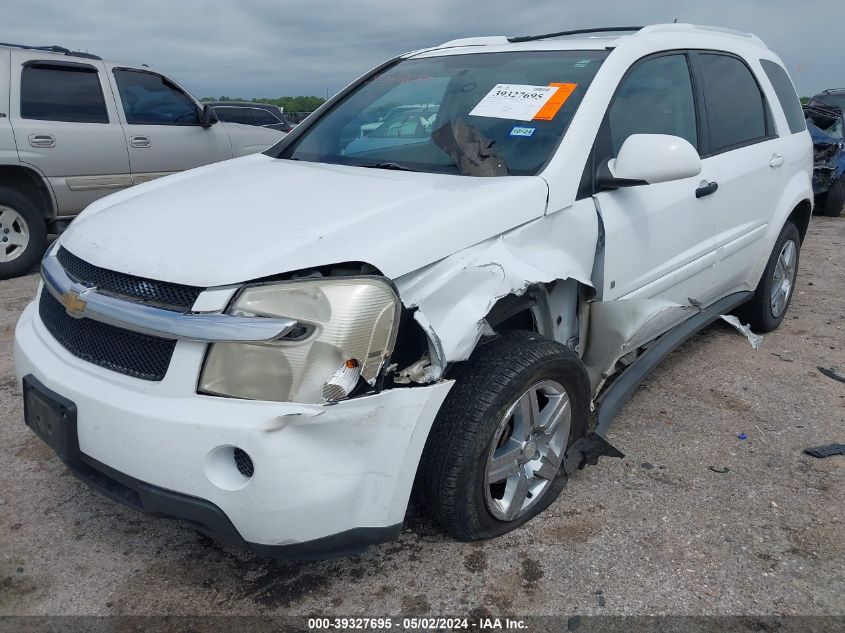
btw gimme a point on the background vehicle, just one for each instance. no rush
(832, 97)
(439, 314)
(399, 127)
(248, 113)
(74, 128)
(826, 124)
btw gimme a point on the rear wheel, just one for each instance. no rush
(23, 234)
(834, 202)
(493, 457)
(766, 309)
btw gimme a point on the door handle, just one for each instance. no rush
(139, 141)
(777, 160)
(706, 188)
(42, 140)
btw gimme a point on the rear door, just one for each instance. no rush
(66, 126)
(659, 238)
(162, 124)
(748, 158)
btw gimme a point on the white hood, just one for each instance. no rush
(258, 216)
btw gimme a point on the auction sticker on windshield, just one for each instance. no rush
(515, 101)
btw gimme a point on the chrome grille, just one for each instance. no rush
(160, 293)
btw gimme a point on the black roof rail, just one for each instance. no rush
(53, 49)
(830, 91)
(606, 29)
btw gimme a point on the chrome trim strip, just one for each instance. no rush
(92, 183)
(137, 179)
(87, 302)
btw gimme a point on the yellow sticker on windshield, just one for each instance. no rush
(551, 107)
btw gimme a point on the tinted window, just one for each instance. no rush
(654, 98)
(736, 112)
(233, 115)
(62, 93)
(787, 96)
(262, 117)
(151, 99)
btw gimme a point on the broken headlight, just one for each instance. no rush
(344, 325)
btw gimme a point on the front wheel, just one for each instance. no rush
(766, 309)
(493, 458)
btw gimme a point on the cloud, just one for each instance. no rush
(271, 48)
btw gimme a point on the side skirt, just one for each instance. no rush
(614, 397)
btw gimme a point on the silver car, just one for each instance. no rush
(74, 128)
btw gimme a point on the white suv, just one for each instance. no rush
(319, 329)
(74, 128)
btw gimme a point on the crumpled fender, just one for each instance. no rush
(453, 296)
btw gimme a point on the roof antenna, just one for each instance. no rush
(676, 21)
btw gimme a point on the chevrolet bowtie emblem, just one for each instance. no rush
(73, 303)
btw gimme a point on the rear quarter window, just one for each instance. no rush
(787, 97)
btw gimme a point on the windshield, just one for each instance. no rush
(455, 113)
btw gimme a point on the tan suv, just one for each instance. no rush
(74, 128)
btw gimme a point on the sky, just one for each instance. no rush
(266, 48)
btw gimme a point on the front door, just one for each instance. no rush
(659, 239)
(162, 125)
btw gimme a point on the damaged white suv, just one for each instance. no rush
(449, 306)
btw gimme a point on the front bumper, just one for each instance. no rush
(326, 478)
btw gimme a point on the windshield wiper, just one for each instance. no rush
(394, 166)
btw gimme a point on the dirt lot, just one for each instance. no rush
(658, 532)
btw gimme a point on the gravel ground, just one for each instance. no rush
(660, 532)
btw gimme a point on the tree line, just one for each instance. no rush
(288, 104)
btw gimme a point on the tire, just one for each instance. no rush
(473, 425)
(23, 234)
(760, 312)
(834, 202)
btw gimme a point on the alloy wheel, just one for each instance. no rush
(527, 450)
(784, 278)
(14, 234)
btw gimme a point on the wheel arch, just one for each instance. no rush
(800, 217)
(31, 184)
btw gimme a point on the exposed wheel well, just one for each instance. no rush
(800, 217)
(553, 310)
(514, 312)
(30, 184)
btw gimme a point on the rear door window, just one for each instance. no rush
(150, 99)
(65, 92)
(786, 94)
(736, 109)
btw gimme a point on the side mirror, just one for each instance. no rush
(648, 159)
(208, 116)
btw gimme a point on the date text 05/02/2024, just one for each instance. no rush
(422, 624)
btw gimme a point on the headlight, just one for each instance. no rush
(347, 327)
